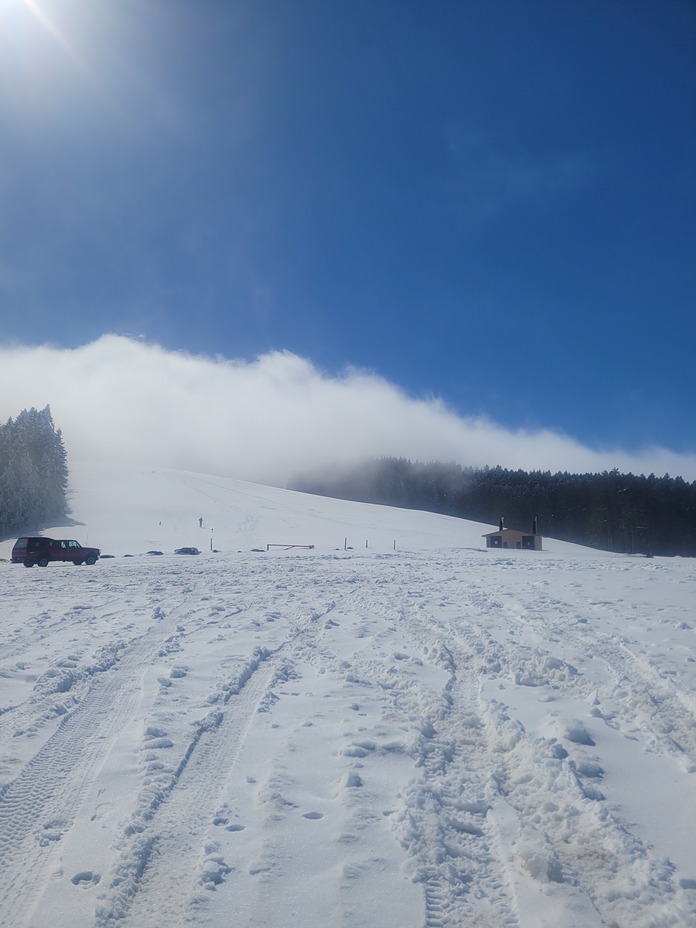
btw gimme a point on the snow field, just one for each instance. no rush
(435, 736)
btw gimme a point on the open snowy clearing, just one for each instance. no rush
(394, 728)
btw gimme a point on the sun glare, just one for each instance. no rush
(42, 17)
(47, 24)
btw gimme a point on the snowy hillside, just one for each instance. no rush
(125, 511)
(394, 727)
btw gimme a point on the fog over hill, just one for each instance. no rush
(377, 722)
(272, 418)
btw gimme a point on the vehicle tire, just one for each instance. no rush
(77, 563)
(42, 562)
(91, 560)
(28, 563)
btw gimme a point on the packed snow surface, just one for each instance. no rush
(395, 727)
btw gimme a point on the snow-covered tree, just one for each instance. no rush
(33, 472)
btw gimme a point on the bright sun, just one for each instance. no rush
(43, 19)
(14, 10)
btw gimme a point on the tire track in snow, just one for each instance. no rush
(608, 874)
(58, 687)
(39, 806)
(164, 870)
(665, 714)
(501, 888)
(60, 684)
(574, 839)
(446, 824)
(663, 711)
(466, 883)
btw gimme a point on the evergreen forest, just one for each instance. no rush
(612, 511)
(33, 473)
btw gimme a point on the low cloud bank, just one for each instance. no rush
(266, 420)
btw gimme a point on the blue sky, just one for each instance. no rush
(487, 201)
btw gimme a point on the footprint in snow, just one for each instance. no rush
(86, 878)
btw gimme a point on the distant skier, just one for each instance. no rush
(200, 522)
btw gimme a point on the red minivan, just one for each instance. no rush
(35, 549)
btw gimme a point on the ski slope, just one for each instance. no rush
(394, 727)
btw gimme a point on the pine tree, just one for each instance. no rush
(33, 472)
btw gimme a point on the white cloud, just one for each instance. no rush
(122, 399)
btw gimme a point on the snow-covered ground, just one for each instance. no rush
(394, 728)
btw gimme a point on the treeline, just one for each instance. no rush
(33, 472)
(611, 510)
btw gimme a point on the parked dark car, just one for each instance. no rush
(36, 549)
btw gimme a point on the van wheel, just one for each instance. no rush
(91, 560)
(78, 563)
(28, 563)
(42, 562)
